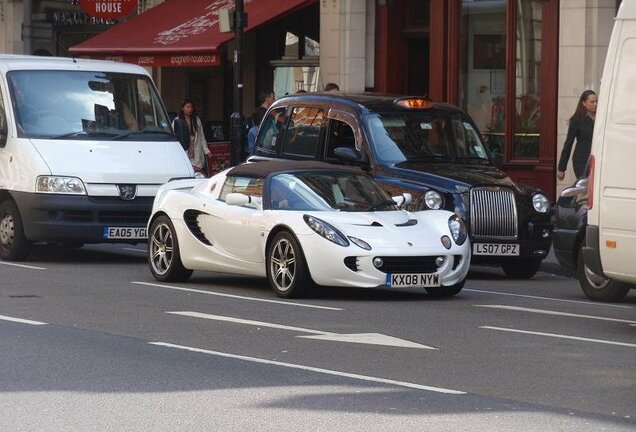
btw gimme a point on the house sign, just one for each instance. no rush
(108, 9)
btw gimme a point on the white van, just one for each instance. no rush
(611, 232)
(84, 147)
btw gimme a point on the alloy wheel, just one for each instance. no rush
(161, 248)
(283, 265)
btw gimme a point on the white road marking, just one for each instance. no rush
(549, 312)
(547, 298)
(136, 250)
(22, 265)
(560, 336)
(313, 369)
(20, 320)
(286, 303)
(363, 338)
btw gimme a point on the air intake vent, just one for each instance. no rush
(493, 213)
(190, 217)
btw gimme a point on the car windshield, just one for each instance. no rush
(87, 105)
(425, 136)
(327, 191)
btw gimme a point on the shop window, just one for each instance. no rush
(304, 131)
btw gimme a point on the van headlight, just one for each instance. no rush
(59, 185)
(457, 229)
(433, 200)
(326, 230)
(541, 203)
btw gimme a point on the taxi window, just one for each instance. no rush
(271, 132)
(305, 129)
(340, 135)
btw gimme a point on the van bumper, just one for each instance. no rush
(82, 219)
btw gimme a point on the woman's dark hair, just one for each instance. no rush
(580, 109)
(194, 113)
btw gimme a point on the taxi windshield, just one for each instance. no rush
(327, 191)
(87, 105)
(425, 136)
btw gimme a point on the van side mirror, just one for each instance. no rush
(4, 129)
(348, 154)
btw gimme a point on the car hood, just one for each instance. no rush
(392, 228)
(451, 177)
(150, 162)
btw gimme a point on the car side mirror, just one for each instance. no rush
(237, 199)
(348, 154)
(403, 199)
(4, 129)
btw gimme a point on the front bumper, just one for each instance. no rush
(79, 218)
(566, 245)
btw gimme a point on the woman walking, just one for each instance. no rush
(581, 128)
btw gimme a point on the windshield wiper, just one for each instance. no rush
(473, 158)
(384, 203)
(141, 132)
(81, 133)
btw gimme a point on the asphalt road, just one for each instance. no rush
(90, 341)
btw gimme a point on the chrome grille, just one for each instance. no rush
(493, 213)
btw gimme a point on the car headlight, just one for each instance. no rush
(60, 185)
(326, 230)
(433, 200)
(541, 203)
(457, 229)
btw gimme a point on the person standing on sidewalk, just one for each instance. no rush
(581, 128)
(197, 148)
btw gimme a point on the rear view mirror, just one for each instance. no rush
(239, 199)
(348, 154)
(4, 129)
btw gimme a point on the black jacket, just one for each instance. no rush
(181, 131)
(582, 129)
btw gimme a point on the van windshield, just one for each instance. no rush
(425, 136)
(87, 105)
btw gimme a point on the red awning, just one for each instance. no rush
(178, 32)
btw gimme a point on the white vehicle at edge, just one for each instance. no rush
(300, 224)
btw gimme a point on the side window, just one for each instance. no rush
(340, 135)
(624, 105)
(304, 131)
(245, 185)
(271, 132)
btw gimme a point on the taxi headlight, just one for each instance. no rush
(541, 203)
(326, 230)
(457, 229)
(59, 185)
(433, 200)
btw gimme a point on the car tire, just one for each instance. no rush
(521, 269)
(164, 257)
(598, 287)
(287, 270)
(14, 246)
(446, 291)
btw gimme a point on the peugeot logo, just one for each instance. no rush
(127, 192)
(409, 243)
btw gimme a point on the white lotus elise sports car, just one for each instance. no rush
(302, 224)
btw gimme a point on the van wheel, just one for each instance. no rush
(521, 269)
(597, 287)
(446, 291)
(14, 245)
(164, 257)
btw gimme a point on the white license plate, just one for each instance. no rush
(133, 233)
(420, 280)
(496, 249)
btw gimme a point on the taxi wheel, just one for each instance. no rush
(521, 269)
(14, 245)
(287, 270)
(597, 287)
(164, 257)
(446, 291)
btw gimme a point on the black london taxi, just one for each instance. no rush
(432, 151)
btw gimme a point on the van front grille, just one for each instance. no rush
(493, 213)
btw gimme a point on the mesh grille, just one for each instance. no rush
(493, 213)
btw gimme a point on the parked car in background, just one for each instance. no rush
(303, 223)
(432, 151)
(610, 240)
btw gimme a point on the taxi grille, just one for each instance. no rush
(493, 213)
(408, 264)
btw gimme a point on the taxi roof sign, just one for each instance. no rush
(414, 102)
